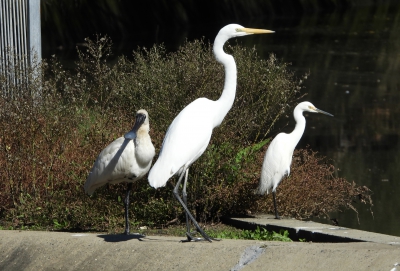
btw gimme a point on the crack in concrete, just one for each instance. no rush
(249, 255)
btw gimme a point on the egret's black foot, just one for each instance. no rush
(191, 238)
(277, 217)
(216, 239)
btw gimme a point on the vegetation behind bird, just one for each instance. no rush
(47, 148)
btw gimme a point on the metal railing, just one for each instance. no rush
(20, 42)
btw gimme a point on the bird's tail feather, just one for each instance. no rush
(159, 178)
(261, 189)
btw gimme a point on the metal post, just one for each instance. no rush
(20, 44)
(35, 36)
(35, 43)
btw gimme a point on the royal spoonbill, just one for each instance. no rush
(126, 159)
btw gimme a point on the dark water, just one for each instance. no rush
(354, 63)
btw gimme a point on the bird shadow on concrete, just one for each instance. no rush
(114, 238)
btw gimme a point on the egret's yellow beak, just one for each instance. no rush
(254, 31)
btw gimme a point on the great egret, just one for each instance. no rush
(189, 133)
(126, 159)
(278, 157)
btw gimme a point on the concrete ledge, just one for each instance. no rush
(311, 231)
(32, 250)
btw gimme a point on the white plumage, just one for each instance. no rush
(190, 132)
(126, 159)
(181, 147)
(278, 158)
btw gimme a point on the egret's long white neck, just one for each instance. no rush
(225, 102)
(300, 126)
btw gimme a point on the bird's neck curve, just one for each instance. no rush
(142, 134)
(144, 149)
(300, 126)
(225, 102)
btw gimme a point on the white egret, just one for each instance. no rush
(278, 157)
(126, 159)
(189, 133)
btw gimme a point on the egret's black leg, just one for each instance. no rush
(126, 205)
(176, 194)
(184, 197)
(276, 209)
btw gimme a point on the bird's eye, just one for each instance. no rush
(238, 30)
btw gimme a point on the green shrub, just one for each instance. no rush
(48, 145)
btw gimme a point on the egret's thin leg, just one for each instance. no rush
(276, 209)
(126, 205)
(176, 194)
(184, 197)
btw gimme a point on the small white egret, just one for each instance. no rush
(189, 133)
(278, 157)
(126, 159)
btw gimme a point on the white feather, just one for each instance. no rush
(190, 132)
(123, 160)
(278, 158)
